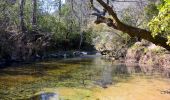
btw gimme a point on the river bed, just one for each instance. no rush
(83, 78)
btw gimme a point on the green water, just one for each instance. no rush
(25, 81)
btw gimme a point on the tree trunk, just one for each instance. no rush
(132, 31)
(81, 39)
(59, 7)
(21, 16)
(34, 15)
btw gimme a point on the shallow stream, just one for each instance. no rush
(85, 78)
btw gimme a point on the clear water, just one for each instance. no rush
(88, 78)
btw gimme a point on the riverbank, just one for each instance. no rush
(148, 55)
(49, 56)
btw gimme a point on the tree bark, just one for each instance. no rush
(59, 7)
(132, 31)
(34, 15)
(21, 15)
(81, 40)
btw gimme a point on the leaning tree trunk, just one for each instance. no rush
(132, 31)
(21, 15)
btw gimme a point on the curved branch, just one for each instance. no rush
(132, 31)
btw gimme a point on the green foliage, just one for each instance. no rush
(65, 10)
(8, 13)
(57, 29)
(128, 16)
(65, 29)
(160, 25)
(151, 11)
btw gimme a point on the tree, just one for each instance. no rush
(21, 15)
(160, 25)
(34, 14)
(115, 23)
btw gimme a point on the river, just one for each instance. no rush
(83, 78)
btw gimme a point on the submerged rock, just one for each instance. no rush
(46, 96)
(103, 84)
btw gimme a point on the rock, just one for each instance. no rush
(150, 55)
(103, 84)
(78, 53)
(46, 96)
(133, 55)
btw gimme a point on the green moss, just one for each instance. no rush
(78, 94)
(145, 50)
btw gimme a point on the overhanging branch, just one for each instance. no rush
(132, 31)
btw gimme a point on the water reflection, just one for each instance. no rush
(106, 77)
(46, 96)
(106, 73)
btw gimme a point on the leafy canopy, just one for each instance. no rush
(160, 25)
